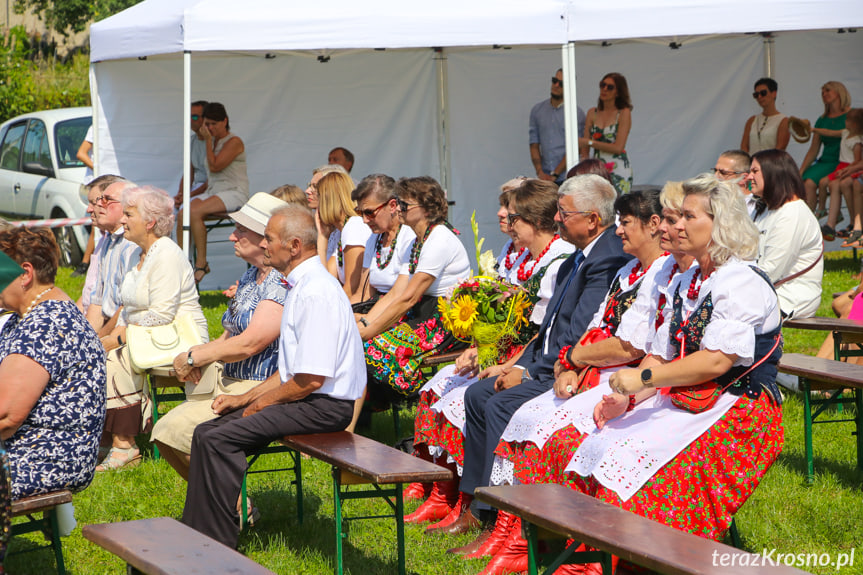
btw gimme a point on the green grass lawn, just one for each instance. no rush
(784, 514)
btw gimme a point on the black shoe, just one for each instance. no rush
(81, 269)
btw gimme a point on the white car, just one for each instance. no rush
(40, 177)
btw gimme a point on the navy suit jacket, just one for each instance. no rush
(581, 300)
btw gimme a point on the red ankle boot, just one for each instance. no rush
(460, 519)
(512, 556)
(502, 527)
(585, 568)
(417, 491)
(443, 498)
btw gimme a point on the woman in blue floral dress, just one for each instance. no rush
(606, 130)
(52, 374)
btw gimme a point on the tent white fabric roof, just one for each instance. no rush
(170, 26)
(461, 114)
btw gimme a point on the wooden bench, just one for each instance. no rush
(46, 504)
(561, 511)
(818, 374)
(358, 460)
(845, 331)
(164, 546)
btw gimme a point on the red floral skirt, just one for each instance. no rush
(701, 489)
(426, 421)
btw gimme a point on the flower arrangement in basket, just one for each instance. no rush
(486, 312)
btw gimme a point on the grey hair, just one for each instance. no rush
(591, 193)
(734, 233)
(154, 205)
(297, 222)
(671, 196)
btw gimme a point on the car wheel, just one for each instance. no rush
(70, 251)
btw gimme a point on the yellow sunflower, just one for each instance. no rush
(463, 315)
(520, 307)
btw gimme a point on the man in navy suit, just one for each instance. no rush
(586, 219)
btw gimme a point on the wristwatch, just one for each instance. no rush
(554, 175)
(647, 378)
(590, 143)
(189, 361)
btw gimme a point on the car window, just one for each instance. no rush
(36, 144)
(10, 151)
(68, 136)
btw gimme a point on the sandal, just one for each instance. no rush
(844, 232)
(205, 269)
(253, 514)
(853, 240)
(828, 233)
(119, 458)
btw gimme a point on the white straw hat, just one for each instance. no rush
(257, 211)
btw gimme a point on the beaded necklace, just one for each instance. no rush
(37, 298)
(509, 263)
(416, 249)
(386, 262)
(523, 275)
(760, 128)
(693, 291)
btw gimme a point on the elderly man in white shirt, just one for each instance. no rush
(321, 373)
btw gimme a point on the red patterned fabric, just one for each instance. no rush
(425, 424)
(701, 489)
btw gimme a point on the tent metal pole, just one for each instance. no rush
(769, 55)
(570, 108)
(187, 145)
(443, 118)
(94, 97)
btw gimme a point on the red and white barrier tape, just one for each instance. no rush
(55, 223)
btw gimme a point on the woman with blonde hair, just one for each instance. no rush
(837, 102)
(342, 234)
(158, 287)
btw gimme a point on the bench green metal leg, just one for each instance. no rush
(858, 404)
(396, 504)
(807, 429)
(297, 481)
(49, 527)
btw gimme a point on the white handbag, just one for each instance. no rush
(153, 346)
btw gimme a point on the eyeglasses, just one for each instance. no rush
(726, 173)
(104, 200)
(196, 117)
(510, 218)
(759, 93)
(606, 86)
(555, 80)
(403, 205)
(565, 214)
(369, 214)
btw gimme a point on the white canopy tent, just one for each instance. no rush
(450, 94)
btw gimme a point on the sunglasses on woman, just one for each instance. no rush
(606, 86)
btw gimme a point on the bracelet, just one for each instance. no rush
(631, 405)
(119, 340)
(562, 357)
(364, 322)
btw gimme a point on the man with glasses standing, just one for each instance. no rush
(732, 166)
(548, 133)
(585, 219)
(113, 254)
(199, 156)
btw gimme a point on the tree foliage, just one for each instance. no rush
(71, 16)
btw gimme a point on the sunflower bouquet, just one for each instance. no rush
(486, 312)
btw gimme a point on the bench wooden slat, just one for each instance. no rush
(164, 546)
(367, 458)
(440, 359)
(822, 373)
(42, 502)
(629, 536)
(843, 325)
